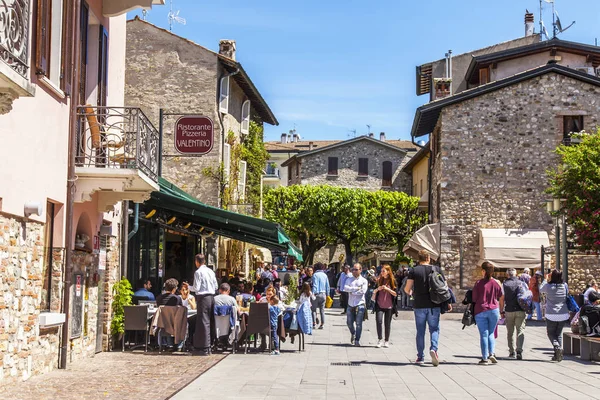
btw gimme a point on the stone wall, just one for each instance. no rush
(111, 276)
(495, 150)
(25, 350)
(583, 268)
(314, 168)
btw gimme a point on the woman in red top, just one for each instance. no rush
(385, 298)
(488, 299)
(534, 286)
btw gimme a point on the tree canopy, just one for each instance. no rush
(577, 180)
(356, 218)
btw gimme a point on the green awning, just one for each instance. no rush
(222, 222)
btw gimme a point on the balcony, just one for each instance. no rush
(117, 155)
(272, 175)
(14, 52)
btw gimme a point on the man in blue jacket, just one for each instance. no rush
(320, 288)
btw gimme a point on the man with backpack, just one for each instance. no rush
(513, 313)
(429, 290)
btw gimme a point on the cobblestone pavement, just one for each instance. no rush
(380, 373)
(115, 375)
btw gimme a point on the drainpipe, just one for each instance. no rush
(125, 243)
(136, 222)
(74, 99)
(237, 71)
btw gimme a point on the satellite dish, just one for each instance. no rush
(421, 143)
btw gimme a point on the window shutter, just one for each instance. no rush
(103, 67)
(66, 62)
(226, 162)
(363, 166)
(333, 166)
(43, 33)
(246, 117)
(387, 174)
(224, 97)
(242, 180)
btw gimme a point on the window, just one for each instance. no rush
(53, 42)
(484, 76)
(363, 167)
(571, 124)
(245, 117)
(289, 173)
(414, 190)
(224, 97)
(387, 174)
(48, 256)
(297, 169)
(242, 180)
(226, 162)
(332, 168)
(421, 192)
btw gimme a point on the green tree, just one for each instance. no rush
(349, 215)
(577, 179)
(400, 218)
(293, 207)
(256, 156)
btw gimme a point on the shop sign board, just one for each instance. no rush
(194, 135)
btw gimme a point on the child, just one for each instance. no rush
(274, 311)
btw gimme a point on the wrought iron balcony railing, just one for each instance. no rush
(14, 34)
(117, 137)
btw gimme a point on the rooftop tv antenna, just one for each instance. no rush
(174, 17)
(368, 129)
(352, 132)
(556, 24)
(144, 15)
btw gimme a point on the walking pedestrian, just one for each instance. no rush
(427, 313)
(513, 313)
(557, 313)
(356, 287)
(534, 286)
(320, 288)
(205, 287)
(384, 297)
(489, 300)
(344, 275)
(525, 277)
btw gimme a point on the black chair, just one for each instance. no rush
(258, 323)
(135, 300)
(136, 319)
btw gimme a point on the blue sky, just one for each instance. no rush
(334, 66)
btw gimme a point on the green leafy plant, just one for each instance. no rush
(254, 153)
(293, 294)
(122, 293)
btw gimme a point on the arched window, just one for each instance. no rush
(245, 117)
(386, 180)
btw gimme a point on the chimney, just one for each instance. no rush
(289, 138)
(310, 146)
(529, 23)
(227, 48)
(371, 134)
(283, 138)
(295, 137)
(382, 136)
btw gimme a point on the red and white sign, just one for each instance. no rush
(96, 244)
(78, 286)
(194, 135)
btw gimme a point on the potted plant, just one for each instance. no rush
(122, 293)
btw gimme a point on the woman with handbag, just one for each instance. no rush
(489, 300)
(384, 298)
(557, 312)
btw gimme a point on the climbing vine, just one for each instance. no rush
(256, 156)
(227, 184)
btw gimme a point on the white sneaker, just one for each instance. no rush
(379, 343)
(386, 344)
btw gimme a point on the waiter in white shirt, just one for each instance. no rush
(205, 288)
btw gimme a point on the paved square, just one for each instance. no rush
(390, 374)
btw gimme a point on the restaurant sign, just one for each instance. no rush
(194, 135)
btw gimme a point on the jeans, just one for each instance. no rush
(319, 304)
(275, 338)
(355, 315)
(403, 299)
(515, 320)
(384, 317)
(486, 323)
(427, 317)
(538, 311)
(554, 331)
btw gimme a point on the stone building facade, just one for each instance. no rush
(313, 167)
(490, 153)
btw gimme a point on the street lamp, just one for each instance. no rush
(555, 207)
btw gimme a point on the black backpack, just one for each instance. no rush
(438, 288)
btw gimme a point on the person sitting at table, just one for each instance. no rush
(222, 302)
(305, 296)
(247, 296)
(224, 298)
(187, 299)
(143, 289)
(169, 298)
